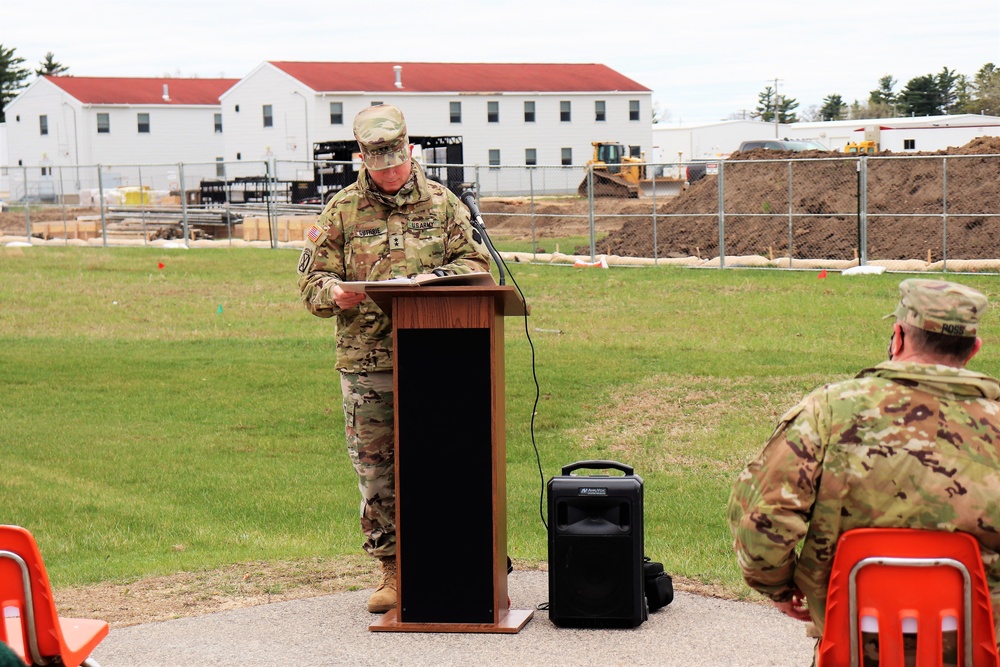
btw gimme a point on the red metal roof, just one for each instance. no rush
(459, 77)
(112, 90)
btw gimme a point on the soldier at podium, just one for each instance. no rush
(393, 222)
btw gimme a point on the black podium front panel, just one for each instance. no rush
(444, 476)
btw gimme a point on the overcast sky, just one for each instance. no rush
(704, 60)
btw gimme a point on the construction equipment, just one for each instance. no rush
(861, 147)
(616, 174)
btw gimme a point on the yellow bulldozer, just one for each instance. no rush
(616, 174)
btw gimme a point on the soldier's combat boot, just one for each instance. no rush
(384, 597)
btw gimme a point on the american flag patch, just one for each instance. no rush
(314, 233)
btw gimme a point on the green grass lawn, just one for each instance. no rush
(188, 417)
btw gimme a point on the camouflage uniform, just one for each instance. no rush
(365, 234)
(901, 445)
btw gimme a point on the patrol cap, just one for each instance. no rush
(381, 134)
(940, 306)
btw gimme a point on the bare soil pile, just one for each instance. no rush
(904, 205)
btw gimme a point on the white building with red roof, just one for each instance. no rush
(509, 114)
(70, 120)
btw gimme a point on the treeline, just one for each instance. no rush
(946, 92)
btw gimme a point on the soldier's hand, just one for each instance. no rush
(796, 607)
(347, 299)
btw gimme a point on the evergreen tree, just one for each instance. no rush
(786, 110)
(49, 66)
(766, 106)
(986, 97)
(964, 90)
(12, 77)
(883, 94)
(833, 108)
(920, 97)
(947, 81)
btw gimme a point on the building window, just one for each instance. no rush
(529, 112)
(633, 109)
(455, 112)
(268, 116)
(143, 121)
(376, 103)
(599, 111)
(103, 123)
(909, 144)
(635, 151)
(530, 157)
(565, 110)
(218, 123)
(567, 157)
(220, 167)
(494, 157)
(336, 113)
(493, 112)
(43, 124)
(46, 171)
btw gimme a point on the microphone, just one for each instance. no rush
(469, 199)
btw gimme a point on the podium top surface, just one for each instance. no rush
(507, 296)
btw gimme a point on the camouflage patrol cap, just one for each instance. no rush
(381, 134)
(940, 306)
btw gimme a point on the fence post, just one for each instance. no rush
(944, 214)
(791, 229)
(184, 209)
(62, 205)
(531, 200)
(656, 258)
(590, 210)
(100, 194)
(27, 204)
(272, 220)
(142, 205)
(722, 216)
(863, 210)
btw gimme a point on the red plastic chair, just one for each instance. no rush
(896, 581)
(34, 623)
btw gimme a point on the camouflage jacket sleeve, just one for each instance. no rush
(772, 500)
(321, 264)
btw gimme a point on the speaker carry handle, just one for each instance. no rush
(598, 465)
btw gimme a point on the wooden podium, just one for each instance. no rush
(451, 449)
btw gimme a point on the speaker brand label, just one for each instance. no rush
(593, 491)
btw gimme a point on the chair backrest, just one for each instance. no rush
(24, 584)
(901, 581)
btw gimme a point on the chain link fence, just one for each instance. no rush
(939, 212)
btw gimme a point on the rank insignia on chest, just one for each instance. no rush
(314, 233)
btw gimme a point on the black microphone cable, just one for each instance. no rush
(469, 199)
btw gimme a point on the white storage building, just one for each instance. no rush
(899, 135)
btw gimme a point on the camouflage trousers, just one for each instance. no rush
(369, 421)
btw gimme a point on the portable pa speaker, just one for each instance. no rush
(596, 548)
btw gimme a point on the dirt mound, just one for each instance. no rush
(905, 202)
